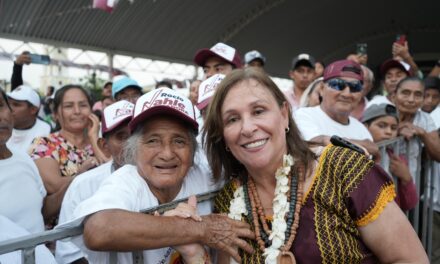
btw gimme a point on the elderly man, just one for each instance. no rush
(221, 58)
(115, 132)
(25, 104)
(302, 74)
(159, 156)
(340, 93)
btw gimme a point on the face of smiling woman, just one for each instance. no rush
(254, 127)
(164, 156)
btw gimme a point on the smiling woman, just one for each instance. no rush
(301, 210)
(68, 152)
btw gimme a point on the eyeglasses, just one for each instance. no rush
(339, 84)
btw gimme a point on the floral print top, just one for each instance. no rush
(55, 146)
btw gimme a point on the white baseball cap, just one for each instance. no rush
(221, 50)
(163, 101)
(115, 114)
(207, 89)
(25, 93)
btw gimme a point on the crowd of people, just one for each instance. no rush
(289, 190)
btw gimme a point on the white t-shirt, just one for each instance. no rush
(82, 188)
(313, 122)
(435, 114)
(379, 99)
(424, 121)
(23, 138)
(125, 189)
(436, 118)
(10, 230)
(21, 191)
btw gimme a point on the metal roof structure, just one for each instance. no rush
(174, 30)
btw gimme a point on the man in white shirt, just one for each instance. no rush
(302, 74)
(115, 132)
(392, 72)
(25, 104)
(340, 93)
(10, 230)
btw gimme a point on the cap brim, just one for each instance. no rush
(202, 55)
(391, 64)
(160, 109)
(116, 125)
(203, 104)
(18, 98)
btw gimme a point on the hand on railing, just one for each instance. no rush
(409, 130)
(191, 253)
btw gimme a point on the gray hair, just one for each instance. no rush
(370, 74)
(133, 143)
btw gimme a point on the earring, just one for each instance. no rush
(228, 149)
(287, 129)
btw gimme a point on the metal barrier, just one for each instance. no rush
(28, 243)
(422, 226)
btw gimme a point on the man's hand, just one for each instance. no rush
(221, 232)
(401, 51)
(23, 58)
(409, 130)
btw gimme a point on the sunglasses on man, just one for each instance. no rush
(339, 85)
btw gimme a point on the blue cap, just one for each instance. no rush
(123, 83)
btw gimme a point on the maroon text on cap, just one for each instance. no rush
(165, 99)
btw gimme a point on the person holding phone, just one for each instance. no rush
(17, 71)
(400, 51)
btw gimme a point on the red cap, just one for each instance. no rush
(389, 64)
(344, 68)
(221, 50)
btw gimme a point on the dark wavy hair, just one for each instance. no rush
(222, 161)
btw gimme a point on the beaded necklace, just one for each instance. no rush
(275, 243)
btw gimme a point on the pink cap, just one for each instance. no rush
(344, 68)
(221, 50)
(163, 101)
(207, 89)
(115, 114)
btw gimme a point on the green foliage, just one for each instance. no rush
(94, 85)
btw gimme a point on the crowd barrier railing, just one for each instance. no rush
(28, 243)
(421, 217)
